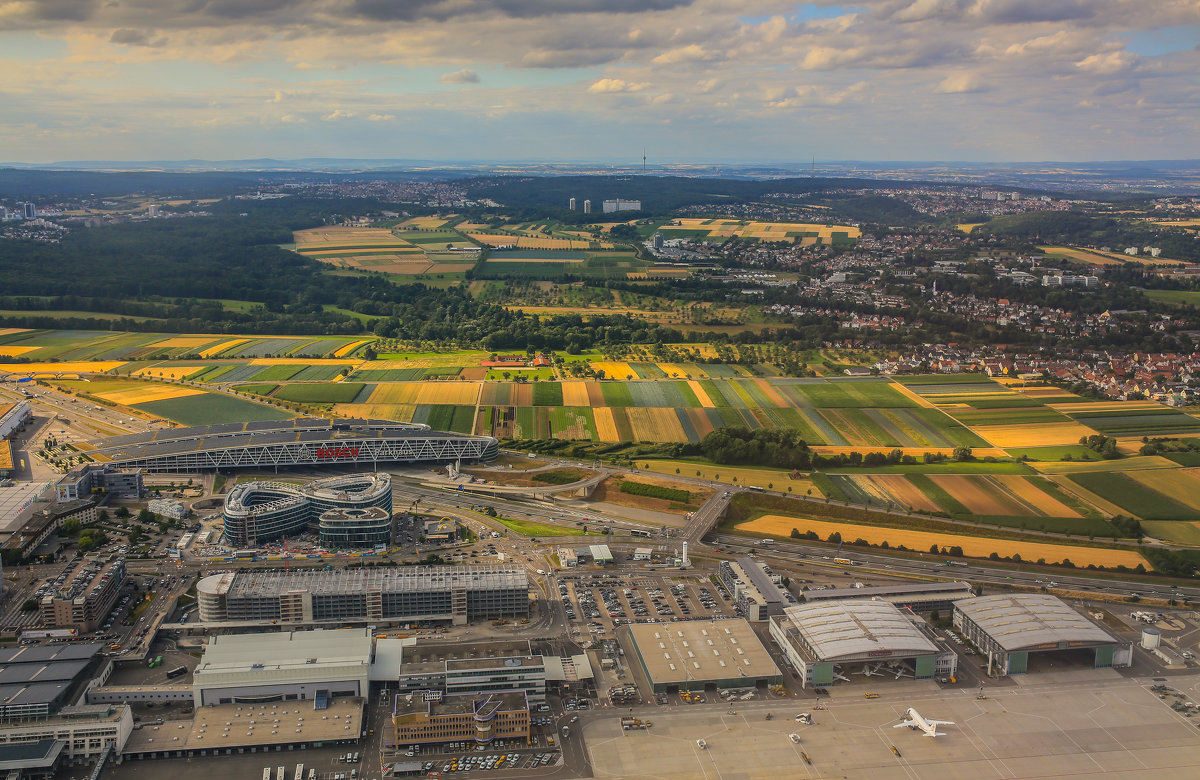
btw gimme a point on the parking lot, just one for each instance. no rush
(604, 601)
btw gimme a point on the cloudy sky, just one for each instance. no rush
(691, 80)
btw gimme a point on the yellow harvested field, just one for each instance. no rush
(1034, 496)
(676, 371)
(82, 367)
(141, 395)
(703, 350)
(897, 487)
(701, 394)
(613, 370)
(974, 546)
(763, 231)
(10, 331)
(1033, 434)
(217, 349)
(575, 394)
(15, 351)
(1182, 485)
(1098, 257)
(1088, 497)
(346, 350)
(461, 393)
(967, 227)
(184, 342)
(1134, 463)
(424, 223)
(168, 372)
(606, 426)
(655, 423)
(1180, 223)
(338, 236)
(973, 492)
(398, 412)
(395, 393)
(529, 242)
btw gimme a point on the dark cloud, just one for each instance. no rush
(1027, 11)
(127, 37)
(64, 10)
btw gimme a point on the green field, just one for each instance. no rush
(320, 393)
(212, 408)
(1134, 497)
(529, 528)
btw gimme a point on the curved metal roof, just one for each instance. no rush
(1027, 621)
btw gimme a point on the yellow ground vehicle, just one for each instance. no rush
(871, 695)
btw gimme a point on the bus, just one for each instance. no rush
(956, 563)
(246, 555)
(178, 671)
(283, 773)
(844, 561)
(299, 772)
(267, 774)
(639, 532)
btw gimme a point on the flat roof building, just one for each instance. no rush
(822, 641)
(87, 594)
(917, 596)
(296, 665)
(1009, 629)
(429, 717)
(753, 588)
(691, 654)
(453, 594)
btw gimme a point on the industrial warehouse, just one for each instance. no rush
(1010, 629)
(830, 640)
(450, 594)
(305, 441)
(690, 655)
(350, 511)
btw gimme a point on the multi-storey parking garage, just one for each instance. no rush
(306, 441)
(454, 594)
(256, 512)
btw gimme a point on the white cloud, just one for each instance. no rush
(336, 115)
(959, 83)
(380, 117)
(464, 76)
(616, 85)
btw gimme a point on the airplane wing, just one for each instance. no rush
(904, 723)
(940, 722)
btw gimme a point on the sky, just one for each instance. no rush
(598, 80)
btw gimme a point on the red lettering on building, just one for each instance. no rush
(324, 453)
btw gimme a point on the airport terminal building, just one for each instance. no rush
(451, 594)
(304, 441)
(833, 639)
(1011, 629)
(340, 509)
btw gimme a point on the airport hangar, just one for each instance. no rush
(1008, 628)
(832, 639)
(304, 441)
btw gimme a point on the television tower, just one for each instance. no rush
(643, 159)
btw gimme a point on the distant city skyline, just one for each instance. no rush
(689, 80)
